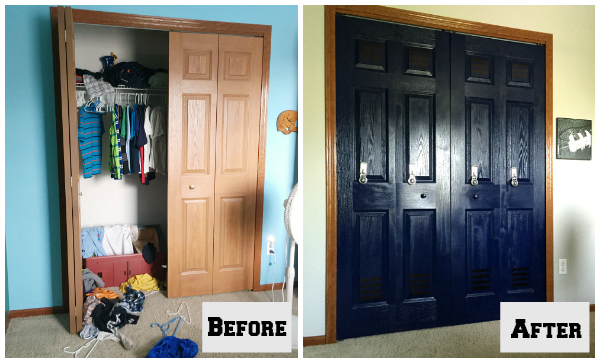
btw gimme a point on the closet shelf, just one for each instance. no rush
(127, 89)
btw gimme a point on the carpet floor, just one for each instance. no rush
(469, 341)
(47, 335)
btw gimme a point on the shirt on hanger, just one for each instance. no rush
(114, 160)
(148, 146)
(134, 150)
(158, 121)
(90, 130)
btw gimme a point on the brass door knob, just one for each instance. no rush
(191, 187)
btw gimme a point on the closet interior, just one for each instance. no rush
(119, 212)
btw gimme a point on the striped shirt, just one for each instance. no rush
(115, 162)
(90, 133)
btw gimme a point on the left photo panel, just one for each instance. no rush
(162, 154)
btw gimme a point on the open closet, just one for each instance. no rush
(206, 206)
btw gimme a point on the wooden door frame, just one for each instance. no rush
(430, 21)
(153, 23)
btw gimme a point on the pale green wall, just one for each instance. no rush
(574, 184)
(313, 247)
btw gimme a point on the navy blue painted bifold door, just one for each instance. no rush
(418, 245)
(498, 123)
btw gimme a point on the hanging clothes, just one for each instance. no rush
(114, 160)
(148, 147)
(134, 150)
(125, 138)
(158, 122)
(90, 130)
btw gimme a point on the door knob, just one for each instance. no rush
(362, 176)
(411, 174)
(474, 180)
(191, 187)
(513, 177)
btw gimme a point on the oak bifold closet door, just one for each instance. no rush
(418, 245)
(214, 113)
(66, 111)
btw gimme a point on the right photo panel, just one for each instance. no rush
(434, 204)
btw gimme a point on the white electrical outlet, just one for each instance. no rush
(271, 245)
(562, 266)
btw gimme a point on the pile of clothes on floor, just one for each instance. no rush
(106, 312)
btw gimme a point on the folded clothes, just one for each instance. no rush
(96, 87)
(118, 239)
(91, 242)
(104, 293)
(159, 80)
(129, 74)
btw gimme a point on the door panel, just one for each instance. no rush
(498, 123)
(192, 129)
(58, 20)
(238, 117)
(75, 165)
(389, 243)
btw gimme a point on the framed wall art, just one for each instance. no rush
(573, 139)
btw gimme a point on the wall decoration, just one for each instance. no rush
(286, 122)
(573, 139)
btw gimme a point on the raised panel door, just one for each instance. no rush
(392, 100)
(193, 60)
(498, 230)
(236, 147)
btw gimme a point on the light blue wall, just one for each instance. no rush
(32, 212)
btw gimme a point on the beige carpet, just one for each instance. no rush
(469, 340)
(46, 336)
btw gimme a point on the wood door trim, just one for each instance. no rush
(262, 151)
(437, 22)
(316, 340)
(170, 24)
(199, 26)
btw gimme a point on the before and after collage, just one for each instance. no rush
(299, 181)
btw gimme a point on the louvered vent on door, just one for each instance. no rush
(420, 285)
(480, 279)
(520, 277)
(370, 289)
